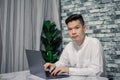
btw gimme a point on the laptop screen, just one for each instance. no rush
(35, 63)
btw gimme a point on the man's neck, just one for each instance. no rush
(81, 42)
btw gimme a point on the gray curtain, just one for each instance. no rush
(0, 41)
(21, 24)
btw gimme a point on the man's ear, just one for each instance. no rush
(84, 28)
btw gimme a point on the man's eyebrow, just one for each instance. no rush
(74, 26)
(77, 26)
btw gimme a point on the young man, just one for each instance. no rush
(82, 56)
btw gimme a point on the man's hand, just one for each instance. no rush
(59, 70)
(49, 66)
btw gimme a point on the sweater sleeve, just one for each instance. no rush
(64, 60)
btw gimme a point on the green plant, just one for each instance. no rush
(51, 39)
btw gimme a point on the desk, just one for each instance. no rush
(25, 75)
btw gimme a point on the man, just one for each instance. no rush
(82, 56)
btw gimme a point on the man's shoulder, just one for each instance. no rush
(69, 45)
(93, 40)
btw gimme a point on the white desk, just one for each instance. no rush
(25, 75)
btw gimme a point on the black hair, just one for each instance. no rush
(75, 17)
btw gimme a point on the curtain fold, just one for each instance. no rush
(21, 25)
(52, 8)
(0, 42)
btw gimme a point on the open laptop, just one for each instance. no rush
(36, 62)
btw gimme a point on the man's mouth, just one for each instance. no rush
(74, 36)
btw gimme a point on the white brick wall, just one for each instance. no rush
(102, 18)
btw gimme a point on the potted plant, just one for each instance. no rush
(51, 39)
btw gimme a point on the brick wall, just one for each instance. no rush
(102, 18)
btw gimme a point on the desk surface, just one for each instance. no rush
(25, 75)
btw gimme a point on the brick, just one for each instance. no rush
(64, 25)
(91, 23)
(117, 16)
(109, 35)
(82, 8)
(116, 39)
(95, 10)
(95, 22)
(110, 5)
(111, 75)
(106, 39)
(97, 31)
(88, 3)
(108, 22)
(117, 52)
(67, 3)
(70, 10)
(63, 14)
(101, 26)
(62, 21)
(106, 30)
(117, 12)
(77, 12)
(117, 0)
(116, 77)
(65, 32)
(89, 31)
(91, 27)
(67, 7)
(111, 61)
(100, 35)
(105, 18)
(92, 35)
(117, 21)
(109, 45)
(78, 1)
(98, 22)
(65, 28)
(112, 65)
(66, 36)
(67, 39)
(73, 10)
(106, 1)
(112, 26)
(117, 34)
(118, 69)
(114, 30)
(117, 61)
(104, 10)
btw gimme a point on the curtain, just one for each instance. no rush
(21, 25)
(0, 41)
(53, 12)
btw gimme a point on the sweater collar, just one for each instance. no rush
(76, 46)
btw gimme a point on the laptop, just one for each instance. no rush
(36, 62)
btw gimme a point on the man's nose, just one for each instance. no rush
(73, 31)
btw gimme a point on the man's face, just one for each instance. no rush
(76, 31)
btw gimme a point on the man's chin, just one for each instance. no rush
(74, 39)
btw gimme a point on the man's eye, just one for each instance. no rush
(77, 27)
(69, 29)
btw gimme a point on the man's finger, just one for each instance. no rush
(52, 68)
(58, 73)
(46, 65)
(54, 73)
